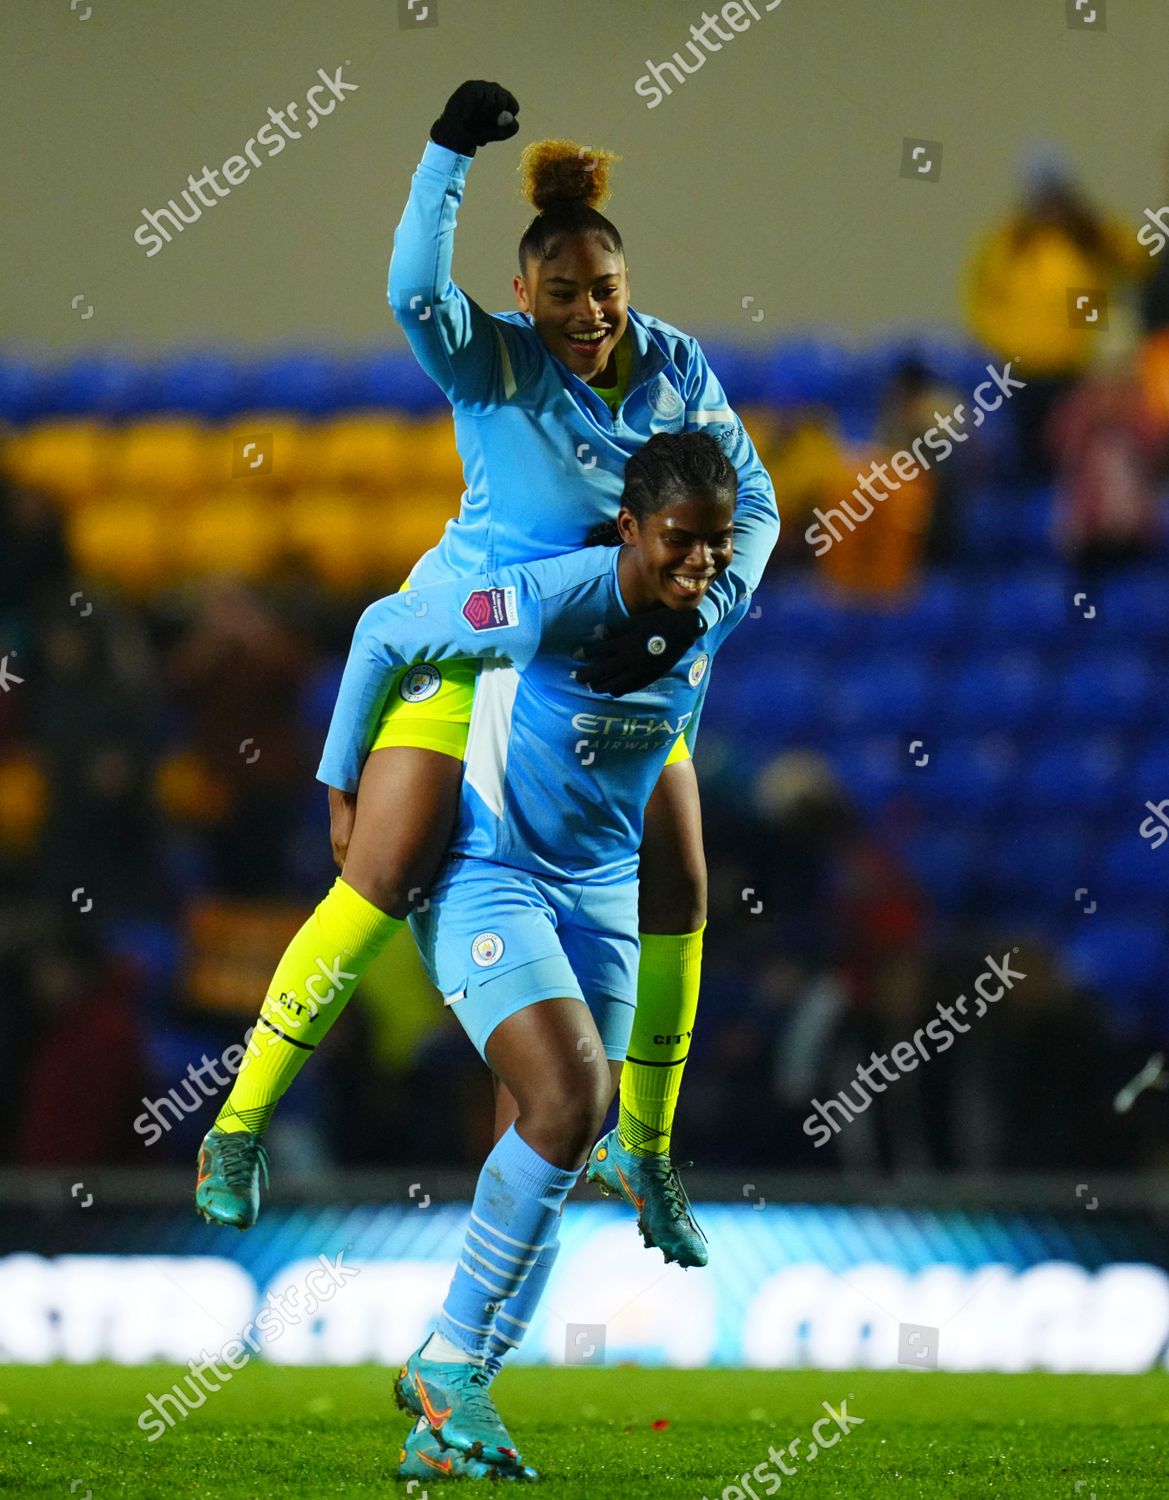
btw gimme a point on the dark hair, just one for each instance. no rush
(669, 467)
(1074, 214)
(565, 184)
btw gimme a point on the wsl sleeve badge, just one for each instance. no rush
(491, 609)
(487, 949)
(420, 683)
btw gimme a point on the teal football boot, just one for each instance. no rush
(424, 1456)
(228, 1187)
(652, 1185)
(454, 1400)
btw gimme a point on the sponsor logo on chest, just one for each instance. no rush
(610, 732)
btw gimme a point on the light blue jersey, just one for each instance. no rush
(543, 455)
(556, 778)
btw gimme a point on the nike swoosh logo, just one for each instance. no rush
(435, 1418)
(638, 1203)
(444, 1468)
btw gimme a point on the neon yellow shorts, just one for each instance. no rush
(428, 707)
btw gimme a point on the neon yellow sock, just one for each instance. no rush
(313, 981)
(668, 979)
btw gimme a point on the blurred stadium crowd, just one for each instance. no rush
(934, 742)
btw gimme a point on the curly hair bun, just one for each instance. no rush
(564, 172)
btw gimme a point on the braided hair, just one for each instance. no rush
(669, 467)
(566, 184)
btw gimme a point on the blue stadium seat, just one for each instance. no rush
(1025, 607)
(940, 610)
(1133, 869)
(966, 775)
(1073, 775)
(25, 391)
(1041, 863)
(979, 532)
(1125, 960)
(305, 382)
(1001, 691)
(877, 692)
(869, 770)
(741, 369)
(107, 385)
(791, 615)
(1150, 775)
(154, 950)
(396, 382)
(1014, 527)
(203, 383)
(1015, 493)
(1133, 606)
(780, 695)
(945, 865)
(1106, 688)
(935, 615)
(957, 364)
(806, 371)
(318, 696)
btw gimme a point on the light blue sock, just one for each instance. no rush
(515, 1212)
(513, 1318)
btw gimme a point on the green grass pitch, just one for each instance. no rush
(305, 1432)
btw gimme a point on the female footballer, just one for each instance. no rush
(549, 402)
(531, 929)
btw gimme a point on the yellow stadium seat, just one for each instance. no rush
(187, 791)
(369, 451)
(260, 450)
(24, 794)
(336, 530)
(68, 460)
(124, 540)
(162, 457)
(408, 526)
(234, 530)
(436, 461)
(230, 949)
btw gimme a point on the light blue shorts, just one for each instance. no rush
(495, 939)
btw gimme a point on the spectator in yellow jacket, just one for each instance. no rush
(1037, 291)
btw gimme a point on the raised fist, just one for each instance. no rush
(476, 113)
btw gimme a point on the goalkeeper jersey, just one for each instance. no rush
(556, 777)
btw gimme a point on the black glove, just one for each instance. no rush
(639, 655)
(472, 117)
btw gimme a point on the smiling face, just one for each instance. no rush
(674, 556)
(578, 302)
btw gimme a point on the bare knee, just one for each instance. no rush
(390, 887)
(562, 1118)
(394, 879)
(673, 899)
